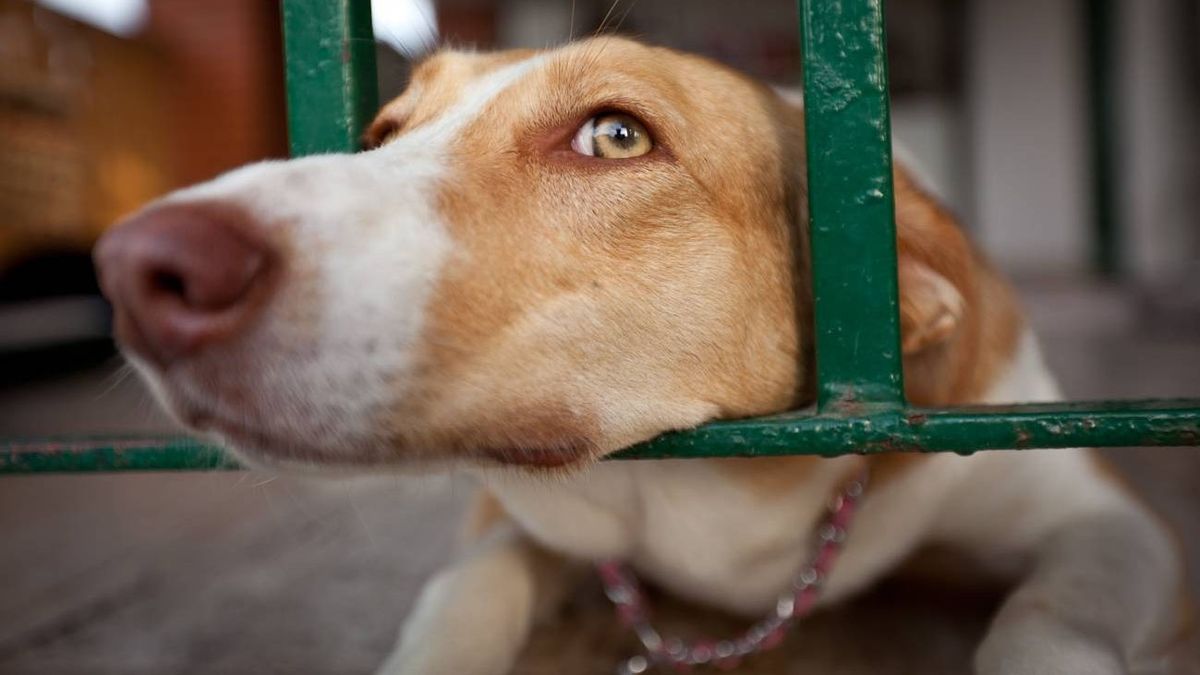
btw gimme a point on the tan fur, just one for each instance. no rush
(958, 366)
(566, 260)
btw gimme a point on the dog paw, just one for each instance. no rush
(1048, 648)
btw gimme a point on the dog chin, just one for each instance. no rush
(255, 450)
(258, 451)
(261, 449)
(306, 462)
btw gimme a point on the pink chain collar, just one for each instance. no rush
(623, 589)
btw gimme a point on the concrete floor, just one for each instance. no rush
(250, 573)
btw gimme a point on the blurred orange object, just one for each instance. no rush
(93, 125)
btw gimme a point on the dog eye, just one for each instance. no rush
(612, 136)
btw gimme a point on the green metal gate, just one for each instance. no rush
(861, 406)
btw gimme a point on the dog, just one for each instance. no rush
(544, 257)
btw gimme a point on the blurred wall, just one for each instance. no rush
(1026, 92)
(225, 92)
(1157, 85)
(1030, 137)
(93, 125)
(81, 130)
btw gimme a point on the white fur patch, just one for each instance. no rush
(363, 246)
(682, 523)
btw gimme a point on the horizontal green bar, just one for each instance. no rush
(110, 453)
(963, 430)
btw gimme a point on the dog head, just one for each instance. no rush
(542, 257)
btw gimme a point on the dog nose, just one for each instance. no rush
(180, 279)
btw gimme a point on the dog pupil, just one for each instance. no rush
(622, 135)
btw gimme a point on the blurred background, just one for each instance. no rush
(1064, 133)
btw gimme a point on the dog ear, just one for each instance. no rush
(959, 320)
(934, 266)
(931, 308)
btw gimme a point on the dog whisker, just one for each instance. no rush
(604, 21)
(116, 379)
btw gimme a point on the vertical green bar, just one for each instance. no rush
(1106, 244)
(329, 50)
(852, 216)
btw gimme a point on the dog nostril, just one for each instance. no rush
(167, 282)
(212, 277)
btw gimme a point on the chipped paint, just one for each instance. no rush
(961, 430)
(850, 205)
(110, 453)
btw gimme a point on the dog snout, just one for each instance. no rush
(181, 279)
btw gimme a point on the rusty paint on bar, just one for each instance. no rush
(962, 430)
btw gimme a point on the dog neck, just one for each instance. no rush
(795, 602)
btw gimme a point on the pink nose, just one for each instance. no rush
(180, 279)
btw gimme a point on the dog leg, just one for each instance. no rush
(1100, 598)
(474, 617)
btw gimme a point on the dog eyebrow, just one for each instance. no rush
(429, 99)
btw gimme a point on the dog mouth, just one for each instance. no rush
(259, 444)
(258, 432)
